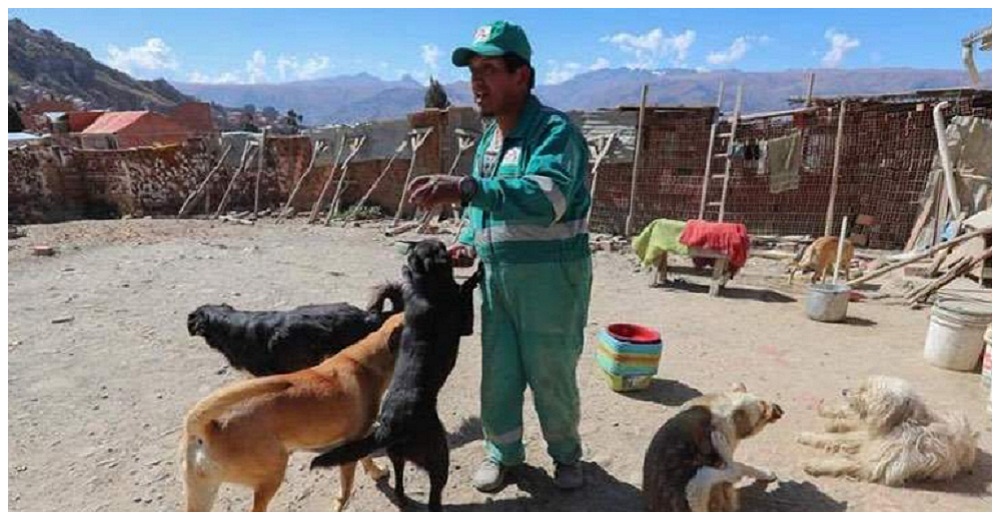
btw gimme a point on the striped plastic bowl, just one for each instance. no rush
(628, 365)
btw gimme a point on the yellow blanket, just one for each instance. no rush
(660, 237)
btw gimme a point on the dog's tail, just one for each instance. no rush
(208, 409)
(391, 291)
(352, 451)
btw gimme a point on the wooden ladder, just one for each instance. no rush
(724, 131)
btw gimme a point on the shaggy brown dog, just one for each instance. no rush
(245, 432)
(820, 257)
(689, 464)
(887, 434)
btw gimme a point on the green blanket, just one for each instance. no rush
(660, 237)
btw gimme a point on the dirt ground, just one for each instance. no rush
(95, 401)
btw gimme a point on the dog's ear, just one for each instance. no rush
(193, 322)
(898, 413)
(740, 387)
(742, 423)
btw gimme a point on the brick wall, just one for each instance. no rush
(887, 153)
(886, 156)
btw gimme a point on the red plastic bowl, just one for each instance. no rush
(633, 333)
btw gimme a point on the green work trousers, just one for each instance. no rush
(533, 319)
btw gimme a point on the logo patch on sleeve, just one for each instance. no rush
(512, 156)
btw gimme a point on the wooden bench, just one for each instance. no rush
(720, 269)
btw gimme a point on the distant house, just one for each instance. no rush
(23, 138)
(195, 116)
(37, 116)
(79, 121)
(131, 129)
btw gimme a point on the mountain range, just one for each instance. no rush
(41, 63)
(360, 97)
(38, 60)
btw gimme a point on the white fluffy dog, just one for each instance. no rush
(886, 434)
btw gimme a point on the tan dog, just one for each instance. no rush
(689, 464)
(887, 434)
(820, 257)
(245, 432)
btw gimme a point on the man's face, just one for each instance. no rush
(494, 89)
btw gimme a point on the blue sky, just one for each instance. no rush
(272, 45)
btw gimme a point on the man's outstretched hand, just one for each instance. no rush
(433, 190)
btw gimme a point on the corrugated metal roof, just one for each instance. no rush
(113, 122)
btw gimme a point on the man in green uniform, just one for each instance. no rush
(526, 207)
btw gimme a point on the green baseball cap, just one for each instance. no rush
(495, 39)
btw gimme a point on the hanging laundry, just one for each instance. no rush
(783, 162)
(751, 151)
(762, 160)
(736, 152)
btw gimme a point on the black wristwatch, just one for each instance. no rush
(468, 187)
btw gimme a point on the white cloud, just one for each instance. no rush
(153, 55)
(291, 68)
(561, 72)
(225, 77)
(737, 50)
(654, 46)
(256, 67)
(430, 53)
(840, 43)
(600, 63)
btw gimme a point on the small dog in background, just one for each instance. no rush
(281, 342)
(820, 256)
(886, 434)
(689, 464)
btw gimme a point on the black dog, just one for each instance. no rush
(438, 313)
(280, 342)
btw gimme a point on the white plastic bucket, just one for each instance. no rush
(827, 302)
(955, 334)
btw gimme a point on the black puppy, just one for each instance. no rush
(280, 342)
(438, 312)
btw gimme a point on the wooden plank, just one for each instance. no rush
(318, 148)
(201, 187)
(329, 180)
(778, 113)
(828, 226)
(944, 245)
(356, 145)
(416, 141)
(260, 171)
(635, 160)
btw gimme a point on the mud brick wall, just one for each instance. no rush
(669, 175)
(886, 155)
(28, 197)
(41, 187)
(144, 181)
